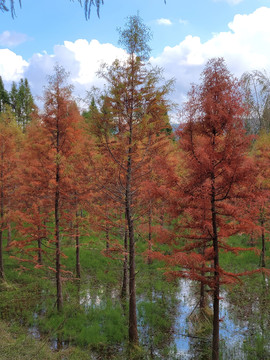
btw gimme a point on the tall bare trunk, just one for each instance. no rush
(58, 254)
(1, 224)
(107, 237)
(202, 285)
(77, 236)
(149, 261)
(263, 244)
(125, 264)
(215, 344)
(39, 249)
(57, 230)
(133, 332)
(71, 227)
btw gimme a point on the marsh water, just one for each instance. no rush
(170, 326)
(244, 323)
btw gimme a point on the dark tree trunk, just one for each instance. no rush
(151, 327)
(107, 237)
(162, 220)
(57, 229)
(263, 244)
(78, 292)
(215, 344)
(149, 260)
(40, 237)
(202, 302)
(77, 237)
(133, 332)
(71, 227)
(1, 226)
(39, 249)
(1, 255)
(125, 267)
(44, 232)
(58, 253)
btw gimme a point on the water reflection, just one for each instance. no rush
(172, 326)
(190, 337)
(89, 298)
(244, 327)
(58, 344)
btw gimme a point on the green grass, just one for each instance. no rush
(94, 320)
(244, 260)
(15, 344)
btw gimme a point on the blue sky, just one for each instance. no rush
(185, 34)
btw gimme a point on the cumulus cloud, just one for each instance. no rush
(245, 46)
(163, 21)
(12, 66)
(90, 56)
(81, 59)
(12, 38)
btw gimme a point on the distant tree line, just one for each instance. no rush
(20, 101)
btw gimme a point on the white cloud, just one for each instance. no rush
(245, 46)
(81, 59)
(163, 21)
(90, 56)
(12, 38)
(12, 66)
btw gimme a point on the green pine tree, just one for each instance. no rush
(22, 102)
(4, 98)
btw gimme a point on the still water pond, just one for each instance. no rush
(171, 328)
(244, 324)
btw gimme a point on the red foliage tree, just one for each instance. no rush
(34, 208)
(60, 125)
(131, 125)
(53, 182)
(81, 187)
(8, 162)
(216, 186)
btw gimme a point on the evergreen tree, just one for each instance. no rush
(4, 99)
(25, 104)
(90, 116)
(22, 102)
(13, 96)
